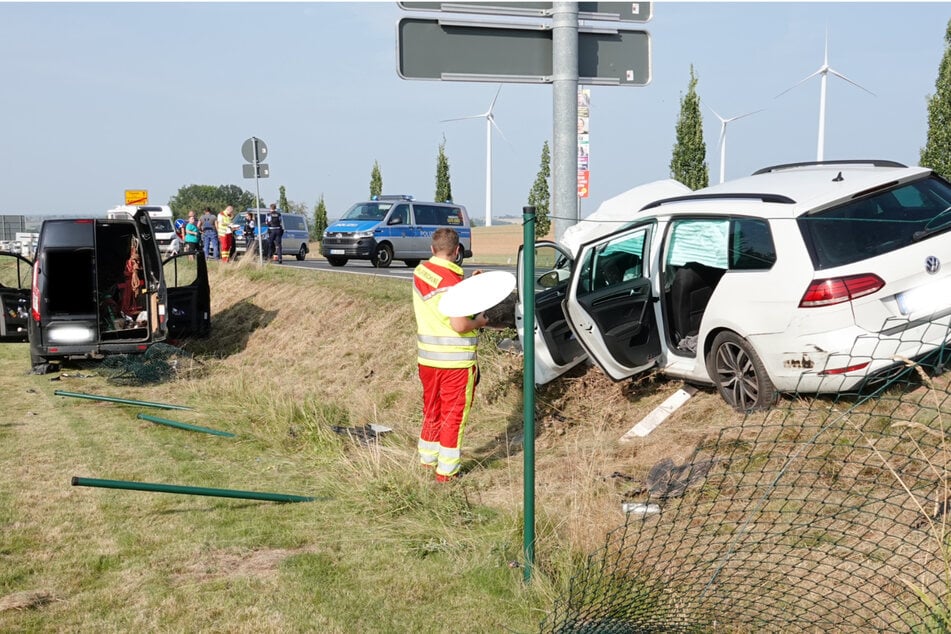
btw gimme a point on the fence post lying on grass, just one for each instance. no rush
(174, 488)
(175, 423)
(124, 401)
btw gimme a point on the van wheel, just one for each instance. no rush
(335, 261)
(460, 256)
(411, 263)
(302, 253)
(384, 256)
(41, 365)
(739, 374)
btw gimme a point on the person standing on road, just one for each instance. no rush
(446, 356)
(209, 234)
(275, 234)
(225, 237)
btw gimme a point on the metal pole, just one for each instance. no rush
(174, 488)
(257, 202)
(175, 423)
(528, 386)
(124, 401)
(565, 115)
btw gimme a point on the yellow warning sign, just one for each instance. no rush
(136, 197)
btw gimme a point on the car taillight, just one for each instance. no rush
(35, 294)
(840, 289)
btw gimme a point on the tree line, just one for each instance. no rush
(688, 162)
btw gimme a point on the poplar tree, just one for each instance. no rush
(936, 153)
(688, 163)
(282, 200)
(319, 225)
(376, 181)
(540, 196)
(443, 184)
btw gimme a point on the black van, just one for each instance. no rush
(100, 287)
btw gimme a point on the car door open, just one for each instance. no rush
(610, 305)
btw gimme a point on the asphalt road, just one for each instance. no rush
(363, 267)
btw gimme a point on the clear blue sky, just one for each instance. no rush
(98, 98)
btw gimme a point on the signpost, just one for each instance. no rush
(136, 197)
(440, 49)
(618, 11)
(254, 150)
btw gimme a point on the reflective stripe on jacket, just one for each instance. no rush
(437, 344)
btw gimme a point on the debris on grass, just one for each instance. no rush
(27, 600)
(365, 435)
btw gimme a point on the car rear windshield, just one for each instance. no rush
(879, 223)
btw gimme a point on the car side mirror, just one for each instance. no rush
(549, 280)
(396, 220)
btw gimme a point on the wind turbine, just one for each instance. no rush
(823, 74)
(489, 123)
(722, 141)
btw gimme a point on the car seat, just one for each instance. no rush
(689, 294)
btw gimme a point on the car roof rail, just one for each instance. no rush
(766, 198)
(873, 162)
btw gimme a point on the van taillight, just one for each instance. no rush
(35, 294)
(840, 289)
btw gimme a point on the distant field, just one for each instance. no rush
(496, 245)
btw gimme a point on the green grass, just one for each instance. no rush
(382, 549)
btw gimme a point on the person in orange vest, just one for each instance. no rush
(446, 356)
(225, 234)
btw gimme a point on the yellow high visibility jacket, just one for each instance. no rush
(437, 344)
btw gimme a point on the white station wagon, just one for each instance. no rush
(808, 277)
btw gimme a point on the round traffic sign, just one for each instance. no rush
(254, 150)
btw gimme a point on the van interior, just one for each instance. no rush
(96, 283)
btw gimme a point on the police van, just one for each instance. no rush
(294, 241)
(389, 228)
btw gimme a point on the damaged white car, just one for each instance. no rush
(808, 277)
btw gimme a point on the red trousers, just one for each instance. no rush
(447, 400)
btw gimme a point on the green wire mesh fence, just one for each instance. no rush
(825, 514)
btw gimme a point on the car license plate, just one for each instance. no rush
(929, 297)
(336, 252)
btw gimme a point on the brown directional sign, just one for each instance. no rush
(621, 11)
(428, 49)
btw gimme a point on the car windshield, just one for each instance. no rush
(162, 225)
(367, 211)
(881, 223)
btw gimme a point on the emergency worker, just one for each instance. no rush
(446, 356)
(225, 233)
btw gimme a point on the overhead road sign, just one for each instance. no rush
(454, 50)
(618, 11)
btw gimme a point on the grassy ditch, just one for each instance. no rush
(383, 548)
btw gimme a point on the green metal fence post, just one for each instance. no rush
(123, 401)
(528, 385)
(175, 488)
(180, 425)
